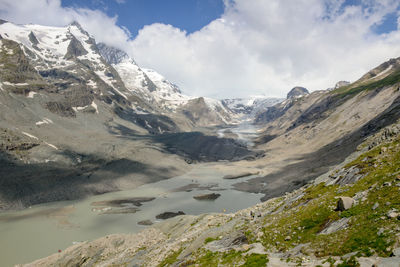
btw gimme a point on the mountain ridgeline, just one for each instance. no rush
(89, 114)
(80, 118)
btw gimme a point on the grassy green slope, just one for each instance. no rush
(369, 84)
(305, 218)
(369, 231)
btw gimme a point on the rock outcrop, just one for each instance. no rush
(341, 84)
(296, 92)
(344, 203)
(169, 214)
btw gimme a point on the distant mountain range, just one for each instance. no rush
(252, 105)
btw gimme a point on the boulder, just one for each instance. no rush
(212, 196)
(256, 248)
(392, 214)
(230, 241)
(396, 252)
(126, 210)
(387, 184)
(123, 202)
(344, 203)
(169, 214)
(341, 84)
(145, 222)
(240, 175)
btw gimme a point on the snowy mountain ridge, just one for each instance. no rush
(69, 53)
(151, 85)
(155, 88)
(252, 105)
(60, 48)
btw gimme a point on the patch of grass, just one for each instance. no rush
(365, 240)
(318, 190)
(330, 260)
(255, 260)
(316, 221)
(353, 211)
(351, 262)
(231, 257)
(210, 239)
(366, 160)
(207, 258)
(170, 259)
(250, 236)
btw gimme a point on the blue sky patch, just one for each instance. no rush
(388, 24)
(188, 15)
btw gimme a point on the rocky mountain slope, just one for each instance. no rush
(164, 96)
(347, 217)
(331, 179)
(317, 131)
(270, 113)
(79, 118)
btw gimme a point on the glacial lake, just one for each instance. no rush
(44, 229)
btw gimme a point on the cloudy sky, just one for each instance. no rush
(235, 48)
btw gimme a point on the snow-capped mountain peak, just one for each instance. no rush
(70, 61)
(145, 83)
(156, 89)
(113, 55)
(52, 45)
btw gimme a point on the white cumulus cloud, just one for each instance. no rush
(255, 47)
(267, 47)
(52, 13)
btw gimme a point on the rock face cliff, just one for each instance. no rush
(270, 113)
(331, 179)
(297, 92)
